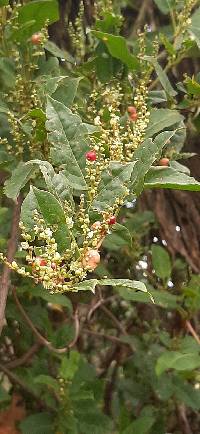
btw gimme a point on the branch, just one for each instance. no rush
(25, 357)
(114, 339)
(183, 419)
(12, 244)
(43, 341)
(192, 331)
(15, 379)
(113, 319)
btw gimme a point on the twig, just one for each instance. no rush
(15, 379)
(12, 244)
(25, 357)
(114, 319)
(114, 339)
(98, 304)
(183, 419)
(77, 329)
(41, 338)
(192, 331)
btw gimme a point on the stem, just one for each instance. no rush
(12, 245)
(41, 338)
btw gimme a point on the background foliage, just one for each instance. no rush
(122, 354)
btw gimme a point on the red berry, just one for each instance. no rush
(91, 155)
(112, 220)
(36, 39)
(43, 262)
(131, 109)
(163, 162)
(133, 116)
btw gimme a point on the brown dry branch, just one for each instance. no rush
(12, 245)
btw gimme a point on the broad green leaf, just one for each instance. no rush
(119, 237)
(66, 90)
(67, 136)
(113, 184)
(161, 262)
(169, 178)
(51, 211)
(186, 393)
(124, 283)
(20, 176)
(162, 76)
(28, 206)
(165, 5)
(53, 214)
(157, 96)
(141, 426)
(57, 52)
(178, 361)
(161, 119)
(38, 423)
(161, 298)
(43, 293)
(86, 285)
(39, 12)
(48, 381)
(145, 155)
(194, 28)
(117, 47)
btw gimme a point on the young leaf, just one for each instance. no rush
(117, 47)
(161, 262)
(67, 136)
(165, 177)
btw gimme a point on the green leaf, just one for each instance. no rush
(57, 52)
(66, 91)
(141, 426)
(117, 47)
(48, 381)
(169, 178)
(124, 283)
(194, 28)
(161, 298)
(51, 211)
(38, 12)
(193, 87)
(67, 136)
(3, 3)
(177, 361)
(161, 262)
(113, 184)
(162, 76)
(69, 365)
(86, 285)
(53, 214)
(161, 119)
(4, 396)
(119, 237)
(145, 155)
(39, 423)
(165, 5)
(43, 293)
(20, 176)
